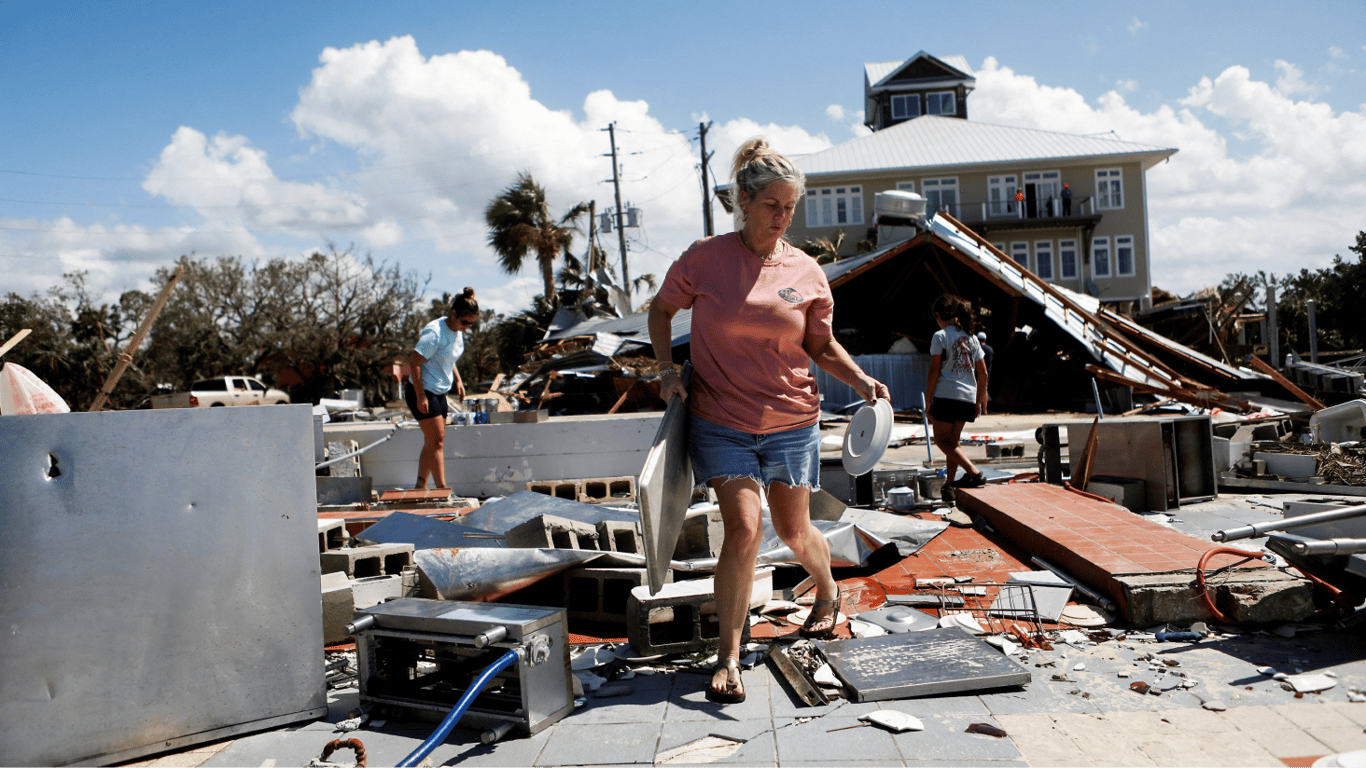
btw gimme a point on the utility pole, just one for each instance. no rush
(621, 230)
(706, 186)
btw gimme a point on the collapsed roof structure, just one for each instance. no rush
(1049, 342)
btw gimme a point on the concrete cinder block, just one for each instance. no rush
(1005, 450)
(681, 617)
(560, 489)
(372, 560)
(346, 467)
(602, 594)
(551, 532)
(599, 489)
(702, 534)
(620, 536)
(339, 607)
(331, 535)
(374, 590)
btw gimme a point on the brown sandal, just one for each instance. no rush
(812, 619)
(734, 692)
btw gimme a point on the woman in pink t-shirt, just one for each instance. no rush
(761, 312)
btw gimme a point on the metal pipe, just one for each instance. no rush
(360, 625)
(495, 733)
(1095, 392)
(925, 417)
(1098, 598)
(359, 451)
(494, 635)
(1330, 547)
(1258, 529)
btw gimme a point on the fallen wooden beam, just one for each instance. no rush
(1276, 376)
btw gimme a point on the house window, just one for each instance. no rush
(1124, 255)
(1019, 252)
(1041, 190)
(942, 195)
(1109, 189)
(834, 206)
(1001, 195)
(905, 186)
(1043, 259)
(906, 106)
(1100, 257)
(1067, 259)
(941, 103)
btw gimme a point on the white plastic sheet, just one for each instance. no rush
(23, 392)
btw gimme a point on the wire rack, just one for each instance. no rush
(997, 608)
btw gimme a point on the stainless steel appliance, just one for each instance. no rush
(421, 655)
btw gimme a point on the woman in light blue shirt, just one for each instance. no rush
(432, 371)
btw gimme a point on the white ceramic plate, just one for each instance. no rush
(865, 439)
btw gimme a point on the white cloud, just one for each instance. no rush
(1126, 85)
(1291, 80)
(1136, 26)
(835, 112)
(1288, 202)
(442, 135)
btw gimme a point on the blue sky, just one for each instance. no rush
(136, 132)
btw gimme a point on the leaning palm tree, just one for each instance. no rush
(520, 223)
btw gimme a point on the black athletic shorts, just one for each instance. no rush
(436, 404)
(949, 410)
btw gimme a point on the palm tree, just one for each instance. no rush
(824, 249)
(520, 223)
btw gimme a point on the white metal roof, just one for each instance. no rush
(935, 141)
(878, 71)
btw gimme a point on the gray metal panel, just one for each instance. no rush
(158, 580)
(428, 533)
(924, 663)
(666, 485)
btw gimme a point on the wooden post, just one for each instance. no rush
(15, 339)
(126, 356)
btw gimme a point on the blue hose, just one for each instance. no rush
(453, 717)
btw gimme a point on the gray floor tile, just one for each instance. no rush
(760, 747)
(932, 705)
(818, 741)
(945, 738)
(600, 744)
(688, 701)
(647, 703)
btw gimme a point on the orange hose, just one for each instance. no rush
(1069, 487)
(1200, 587)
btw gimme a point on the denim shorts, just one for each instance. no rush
(791, 458)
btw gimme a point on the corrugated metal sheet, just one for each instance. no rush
(905, 375)
(933, 141)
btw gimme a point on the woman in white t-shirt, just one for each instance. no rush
(958, 388)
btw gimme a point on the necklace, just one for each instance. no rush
(766, 257)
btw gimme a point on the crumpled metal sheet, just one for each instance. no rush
(908, 533)
(853, 539)
(488, 574)
(507, 513)
(428, 533)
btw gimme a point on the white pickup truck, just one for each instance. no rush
(224, 390)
